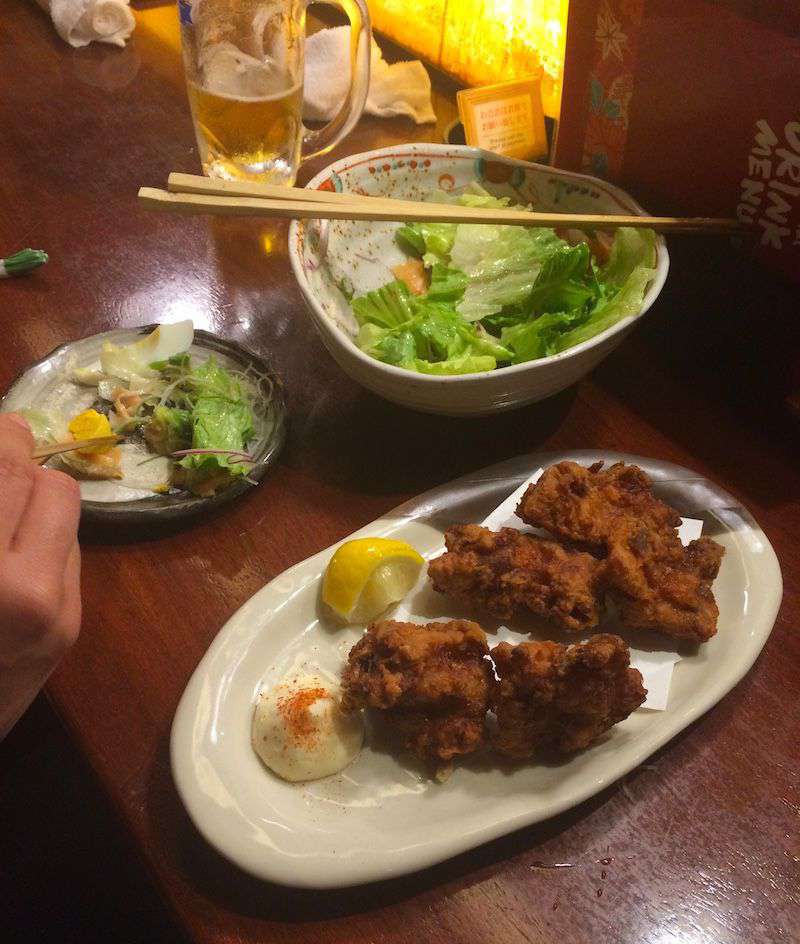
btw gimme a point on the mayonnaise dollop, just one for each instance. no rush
(300, 732)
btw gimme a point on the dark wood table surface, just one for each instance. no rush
(701, 844)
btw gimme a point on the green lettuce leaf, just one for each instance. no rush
(478, 341)
(169, 430)
(500, 294)
(392, 346)
(631, 249)
(623, 283)
(502, 263)
(476, 196)
(435, 330)
(386, 307)
(432, 241)
(220, 424)
(561, 284)
(398, 347)
(435, 335)
(410, 239)
(464, 364)
(447, 284)
(369, 336)
(541, 336)
(577, 300)
(626, 301)
(505, 318)
(221, 419)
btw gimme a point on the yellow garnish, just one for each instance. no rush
(366, 575)
(90, 425)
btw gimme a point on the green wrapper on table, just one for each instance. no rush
(21, 262)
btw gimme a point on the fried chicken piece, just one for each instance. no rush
(704, 558)
(562, 698)
(656, 582)
(433, 684)
(666, 589)
(593, 506)
(506, 571)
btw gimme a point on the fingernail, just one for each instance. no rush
(16, 418)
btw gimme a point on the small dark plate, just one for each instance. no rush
(46, 385)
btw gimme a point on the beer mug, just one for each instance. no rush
(244, 75)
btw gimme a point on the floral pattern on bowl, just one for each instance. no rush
(332, 260)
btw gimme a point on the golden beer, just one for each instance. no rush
(248, 137)
(244, 76)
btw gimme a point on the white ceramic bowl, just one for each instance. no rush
(357, 256)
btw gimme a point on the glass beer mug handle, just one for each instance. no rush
(321, 141)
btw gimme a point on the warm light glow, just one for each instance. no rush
(482, 42)
(161, 22)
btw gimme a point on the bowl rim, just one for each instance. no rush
(346, 342)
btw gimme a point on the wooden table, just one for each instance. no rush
(701, 845)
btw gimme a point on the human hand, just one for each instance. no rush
(40, 604)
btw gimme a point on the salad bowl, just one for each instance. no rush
(335, 260)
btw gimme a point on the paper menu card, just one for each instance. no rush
(506, 118)
(639, 75)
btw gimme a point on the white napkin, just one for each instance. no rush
(400, 89)
(79, 22)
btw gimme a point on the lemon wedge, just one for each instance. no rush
(366, 575)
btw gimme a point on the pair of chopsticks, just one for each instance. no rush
(187, 193)
(55, 449)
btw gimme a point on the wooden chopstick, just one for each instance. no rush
(192, 183)
(355, 207)
(44, 452)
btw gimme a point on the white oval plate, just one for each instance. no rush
(380, 817)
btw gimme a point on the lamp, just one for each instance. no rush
(482, 42)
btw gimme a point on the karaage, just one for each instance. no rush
(656, 582)
(433, 684)
(562, 698)
(595, 505)
(665, 588)
(506, 571)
